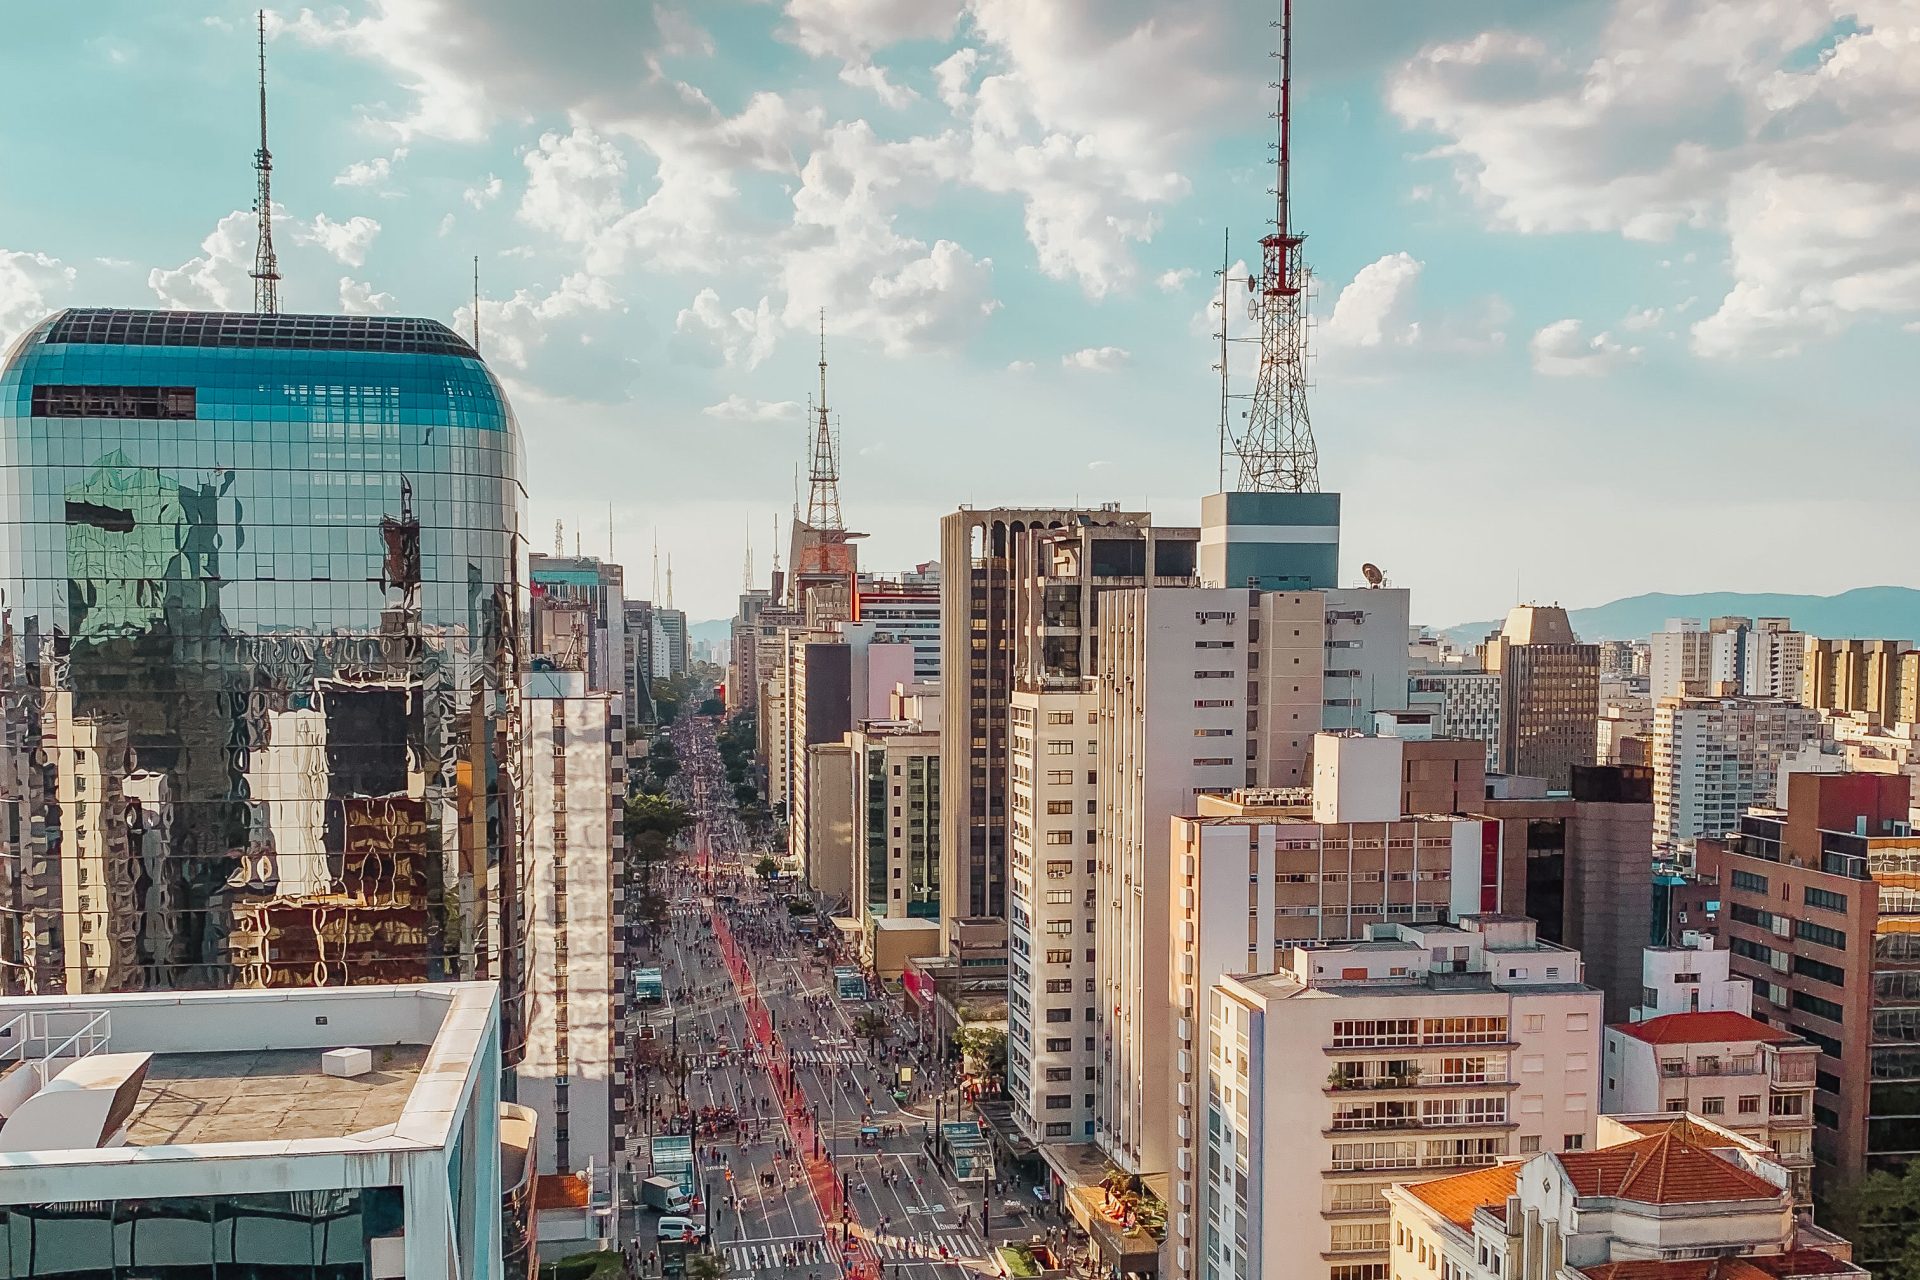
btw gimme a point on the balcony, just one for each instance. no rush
(1379, 1124)
(1415, 1081)
(1674, 1068)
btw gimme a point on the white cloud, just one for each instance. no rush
(370, 173)
(955, 77)
(482, 194)
(1020, 366)
(1562, 350)
(1788, 127)
(215, 279)
(359, 298)
(346, 241)
(1640, 319)
(1097, 359)
(874, 78)
(29, 283)
(739, 408)
(1373, 309)
(512, 328)
(1175, 280)
(446, 225)
(707, 333)
(853, 29)
(575, 185)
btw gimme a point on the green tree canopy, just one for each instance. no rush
(1881, 1215)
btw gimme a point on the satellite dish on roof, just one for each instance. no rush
(1371, 572)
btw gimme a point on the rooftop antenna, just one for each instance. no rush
(1276, 451)
(266, 267)
(560, 538)
(656, 564)
(746, 576)
(609, 533)
(476, 304)
(669, 580)
(823, 490)
(776, 542)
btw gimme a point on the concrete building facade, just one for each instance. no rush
(1549, 692)
(1823, 918)
(1421, 1051)
(980, 575)
(579, 1032)
(1714, 756)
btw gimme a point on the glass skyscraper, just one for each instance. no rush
(259, 620)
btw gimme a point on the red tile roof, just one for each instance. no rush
(1703, 1028)
(1681, 1126)
(1801, 1263)
(1455, 1198)
(1663, 1170)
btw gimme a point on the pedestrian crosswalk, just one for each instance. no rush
(828, 1057)
(753, 1257)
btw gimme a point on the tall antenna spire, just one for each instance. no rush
(669, 579)
(746, 576)
(476, 304)
(823, 492)
(1277, 452)
(266, 267)
(656, 565)
(776, 542)
(1226, 385)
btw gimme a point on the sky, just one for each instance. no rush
(1610, 296)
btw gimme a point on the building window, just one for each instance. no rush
(1747, 882)
(1713, 1106)
(1060, 747)
(1750, 1104)
(1572, 1141)
(113, 402)
(1825, 899)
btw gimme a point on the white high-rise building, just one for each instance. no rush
(1712, 757)
(578, 1038)
(1421, 1051)
(1173, 682)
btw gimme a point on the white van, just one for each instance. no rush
(674, 1227)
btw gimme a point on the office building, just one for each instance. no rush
(276, 556)
(1878, 679)
(836, 677)
(1252, 879)
(579, 1037)
(1467, 703)
(577, 618)
(979, 576)
(1625, 730)
(348, 1132)
(1694, 1046)
(1714, 756)
(638, 665)
(829, 817)
(907, 608)
(896, 794)
(1052, 789)
(1579, 864)
(1661, 1198)
(1687, 657)
(743, 651)
(1822, 917)
(672, 657)
(1172, 667)
(1420, 1051)
(1549, 688)
(1622, 658)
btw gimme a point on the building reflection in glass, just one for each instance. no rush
(258, 644)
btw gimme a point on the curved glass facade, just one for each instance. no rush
(258, 640)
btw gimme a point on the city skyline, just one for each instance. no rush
(973, 188)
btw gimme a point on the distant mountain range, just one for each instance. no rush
(1875, 613)
(714, 631)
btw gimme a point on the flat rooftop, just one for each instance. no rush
(269, 1095)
